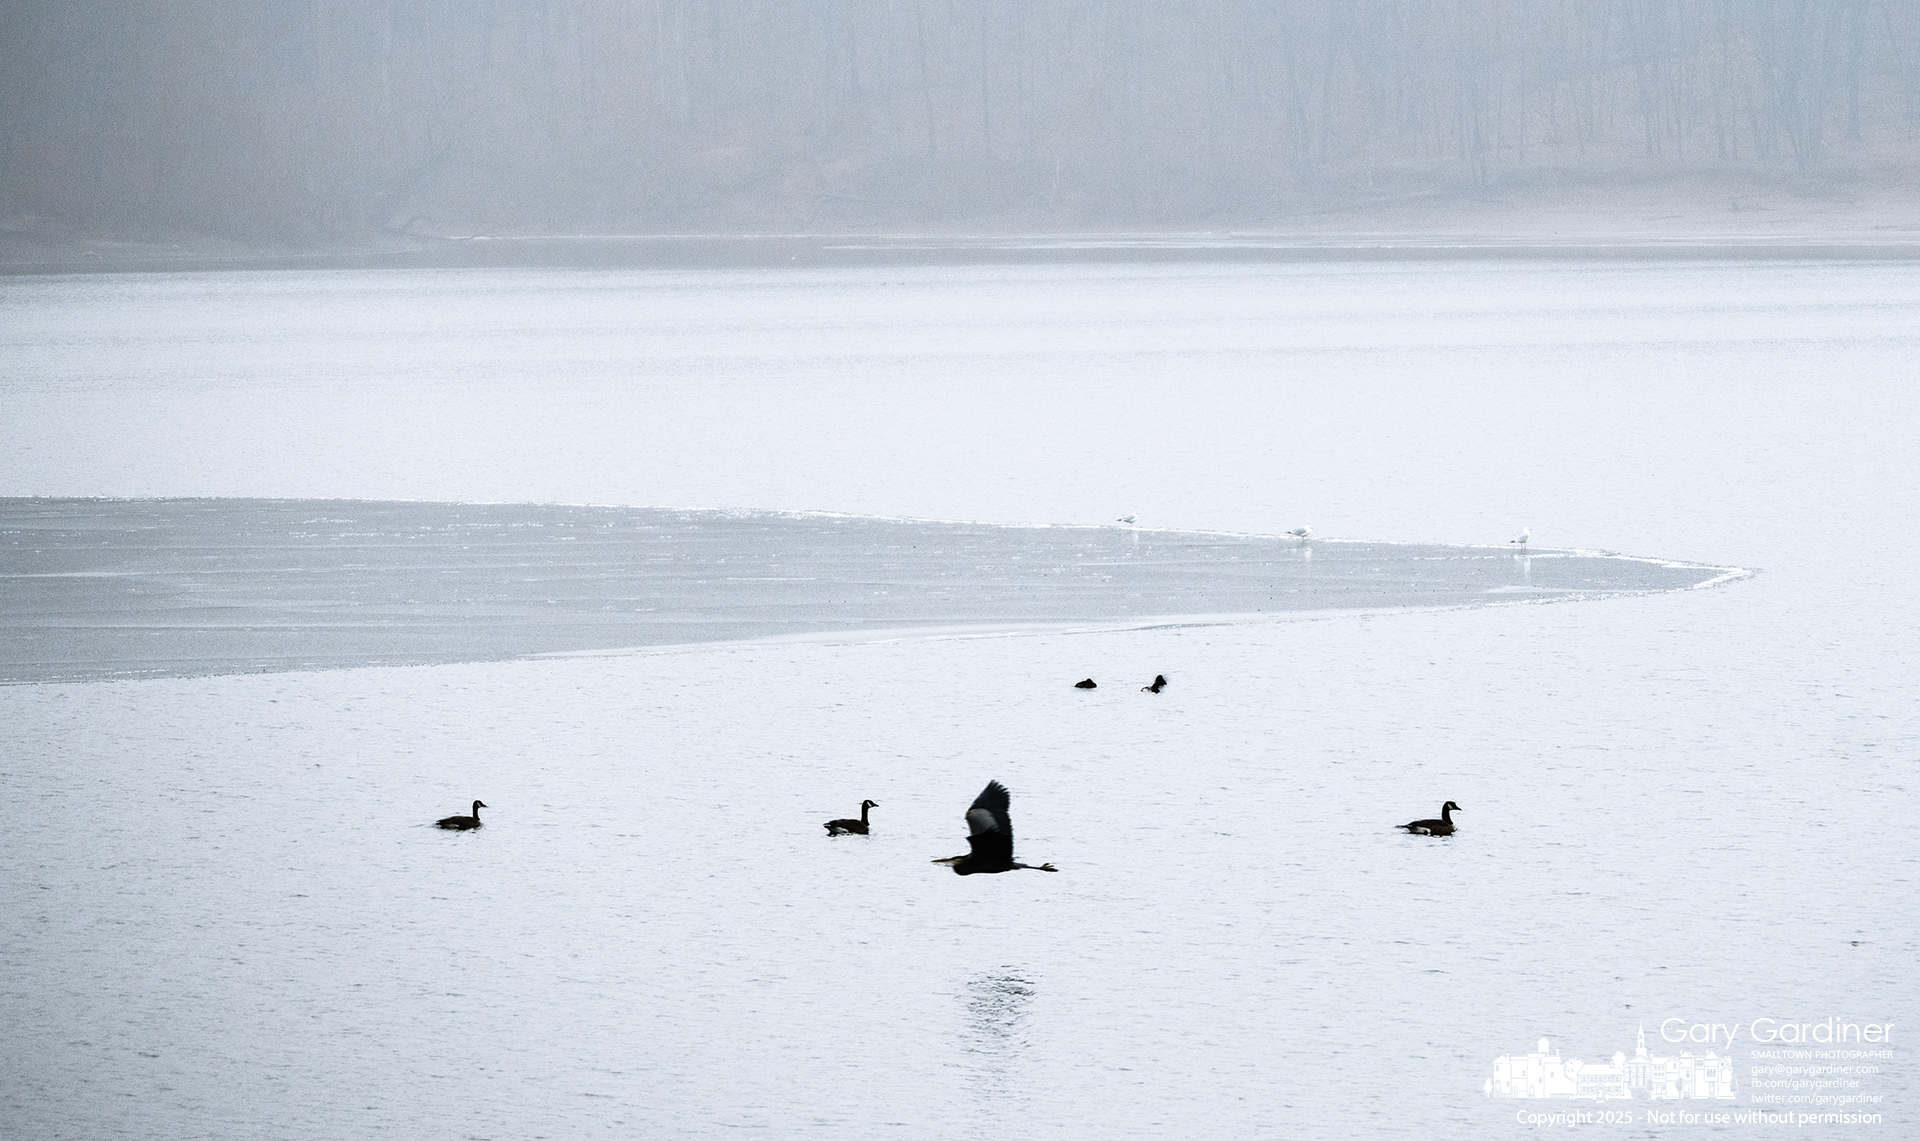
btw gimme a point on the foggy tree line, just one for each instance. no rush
(308, 119)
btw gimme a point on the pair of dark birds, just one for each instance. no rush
(1159, 683)
(989, 835)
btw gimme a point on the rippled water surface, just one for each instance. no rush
(226, 913)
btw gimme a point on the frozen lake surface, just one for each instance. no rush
(226, 913)
(118, 588)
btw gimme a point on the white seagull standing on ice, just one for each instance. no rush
(1525, 534)
(1128, 519)
(1301, 532)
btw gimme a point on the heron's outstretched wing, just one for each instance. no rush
(988, 829)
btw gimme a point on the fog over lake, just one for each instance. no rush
(412, 121)
(228, 914)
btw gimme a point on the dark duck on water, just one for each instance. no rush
(463, 823)
(991, 835)
(1440, 827)
(857, 827)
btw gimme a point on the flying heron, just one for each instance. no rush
(991, 835)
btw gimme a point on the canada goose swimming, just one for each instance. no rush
(1301, 532)
(1525, 534)
(1159, 683)
(991, 835)
(462, 823)
(859, 827)
(1440, 827)
(1087, 683)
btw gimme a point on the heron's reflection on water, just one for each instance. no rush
(994, 1032)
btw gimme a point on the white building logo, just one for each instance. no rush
(1544, 1074)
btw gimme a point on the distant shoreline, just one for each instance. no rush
(39, 255)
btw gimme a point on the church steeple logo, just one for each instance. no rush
(1545, 1074)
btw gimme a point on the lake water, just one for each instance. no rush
(225, 914)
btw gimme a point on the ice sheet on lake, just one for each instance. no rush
(118, 588)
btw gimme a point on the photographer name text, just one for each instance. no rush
(1830, 1031)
